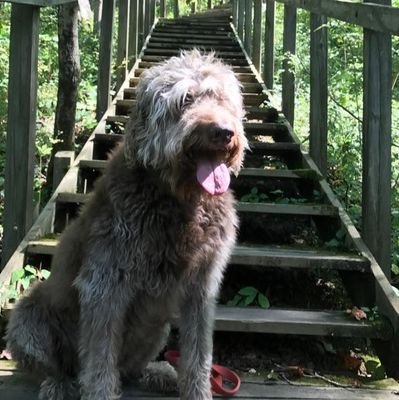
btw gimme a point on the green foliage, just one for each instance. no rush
(21, 280)
(248, 296)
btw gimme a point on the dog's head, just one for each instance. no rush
(188, 122)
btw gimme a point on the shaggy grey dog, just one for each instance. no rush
(149, 247)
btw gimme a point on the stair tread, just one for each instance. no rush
(294, 209)
(255, 172)
(293, 257)
(296, 322)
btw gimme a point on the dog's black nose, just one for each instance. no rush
(221, 134)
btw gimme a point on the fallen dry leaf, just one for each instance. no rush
(357, 313)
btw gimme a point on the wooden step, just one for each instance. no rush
(234, 55)
(241, 69)
(291, 209)
(260, 256)
(154, 44)
(201, 36)
(231, 61)
(249, 172)
(297, 322)
(289, 257)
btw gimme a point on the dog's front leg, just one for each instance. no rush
(196, 326)
(103, 303)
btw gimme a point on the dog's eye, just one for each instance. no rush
(188, 99)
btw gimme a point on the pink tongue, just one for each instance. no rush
(214, 178)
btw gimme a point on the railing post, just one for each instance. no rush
(141, 23)
(147, 17)
(176, 9)
(256, 47)
(21, 128)
(289, 48)
(162, 9)
(377, 116)
(210, 4)
(248, 27)
(318, 91)
(104, 71)
(268, 65)
(123, 41)
(234, 5)
(133, 32)
(240, 23)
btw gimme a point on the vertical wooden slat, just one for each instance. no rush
(289, 47)
(318, 91)
(235, 12)
(141, 24)
(210, 4)
(377, 116)
(256, 47)
(105, 58)
(176, 11)
(268, 66)
(147, 17)
(162, 9)
(152, 14)
(248, 27)
(21, 128)
(240, 23)
(133, 32)
(123, 42)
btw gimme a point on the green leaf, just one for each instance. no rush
(395, 269)
(17, 275)
(249, 299)
(45, 273)
(248, 291)
(263, 301)
(254, 190)
(30, 269)
(333, 243)
(234, 302)
(26, 281)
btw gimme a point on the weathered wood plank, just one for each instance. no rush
(286, 257)
(235, 12)
(133, 33)
(292, 209)
(123, 41)
(268, 64)
(257, 34)
(289, 48)
(105, 58)
(376, 183)
(377, 137)
(378, 17)
(21, 129)
(140, 26)
(248, 27)
(318, 91)
(295, 322)
(240, 23)
(62, 162)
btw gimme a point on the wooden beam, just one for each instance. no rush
(235, 12)
(318, 91)
(268, 65)
(289, 48)
(257, 34)
(133, 32)
(21, 128)
(377, 117)
(162, 9)
(105, 58)
(62, 162)
(176, 11)
(240, 23)
(123, 42)
(141, 14)
(248, 27)
(381, 18)
(40, 3)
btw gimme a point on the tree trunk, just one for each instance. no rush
(68, 83)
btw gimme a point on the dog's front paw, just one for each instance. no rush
(197, 394)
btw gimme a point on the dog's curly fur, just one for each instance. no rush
(149, 247)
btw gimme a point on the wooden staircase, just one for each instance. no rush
(287, 223)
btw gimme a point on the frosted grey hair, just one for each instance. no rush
(162, 121)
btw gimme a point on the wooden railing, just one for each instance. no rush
(136, 18)
(380, 21)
